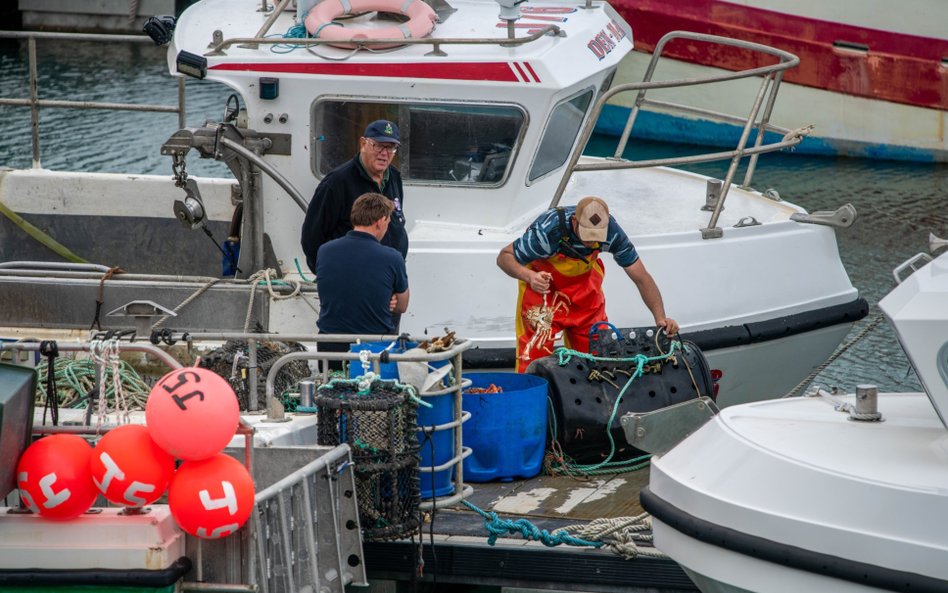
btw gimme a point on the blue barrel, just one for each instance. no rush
(507, 430)
(437, 447)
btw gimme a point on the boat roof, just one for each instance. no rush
(578, 42)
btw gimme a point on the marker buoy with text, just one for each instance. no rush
(129, 468)
(54, 478)
(192, 413)
(211, 498)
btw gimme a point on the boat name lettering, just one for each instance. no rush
(606, 40)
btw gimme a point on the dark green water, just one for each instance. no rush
(898, 203)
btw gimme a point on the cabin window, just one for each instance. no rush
(454, 144)
(560, 134)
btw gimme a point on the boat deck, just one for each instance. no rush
(455, 544)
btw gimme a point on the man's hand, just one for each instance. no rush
(669, 325)
(393, 303)
(540, 281)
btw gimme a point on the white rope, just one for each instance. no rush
(121, 404)
(188, 300)
(96, 350)
(798, 133)
(620, 534)
(265, 276)
(233, 367)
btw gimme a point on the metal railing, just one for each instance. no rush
(304, 531)
(275, 411)
(758, 118)
(35, 103)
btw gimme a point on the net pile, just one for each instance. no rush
(232, 362)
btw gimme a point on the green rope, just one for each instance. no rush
(366, 383)
(567, 466)
(497, 527)
(76, 378)
(299, 271)
(43, 238)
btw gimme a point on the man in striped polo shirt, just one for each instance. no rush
(557, 263)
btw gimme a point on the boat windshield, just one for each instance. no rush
(560, 135)
(454, 144)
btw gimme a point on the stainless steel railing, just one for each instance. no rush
(35, 103)
(758, 118)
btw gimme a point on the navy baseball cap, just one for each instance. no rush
(382, 130)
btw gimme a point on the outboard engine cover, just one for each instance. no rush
(584, 392)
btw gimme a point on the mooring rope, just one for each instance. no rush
(873, 323)
(498, 527)
(620, 534)
(267, 276)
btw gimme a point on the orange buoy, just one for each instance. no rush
(192, 413)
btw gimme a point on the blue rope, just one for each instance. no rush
(498, 527)
(295, 32)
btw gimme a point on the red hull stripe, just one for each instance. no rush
(897, 67)
(489, 71)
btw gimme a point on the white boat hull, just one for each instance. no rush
(811, 501)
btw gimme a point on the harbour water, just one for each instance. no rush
(899, 204)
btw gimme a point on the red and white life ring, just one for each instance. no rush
(319, 22)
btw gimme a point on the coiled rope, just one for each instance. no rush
(76, 378)
(267, 276)
(620, 534)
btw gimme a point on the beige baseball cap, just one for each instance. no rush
(592, 214)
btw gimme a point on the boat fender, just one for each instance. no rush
(319, 22)
(583, 391)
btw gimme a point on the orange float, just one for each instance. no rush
(320, 21)
(192, 413)
(211, 498)
(54, 479)
(129, 468)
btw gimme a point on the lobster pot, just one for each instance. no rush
(584, 393)
(380, 428)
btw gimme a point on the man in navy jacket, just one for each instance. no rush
(371, 170)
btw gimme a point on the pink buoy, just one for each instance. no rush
(129, 468)
(54, 479)
(192, 413)
(211, 498)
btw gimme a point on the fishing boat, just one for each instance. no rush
(495, 106)
(871, 80)
(825, 492)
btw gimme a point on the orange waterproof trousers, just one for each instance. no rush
(574, 303)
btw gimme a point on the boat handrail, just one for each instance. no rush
(34, 102)
(217, 47)
(759, 118)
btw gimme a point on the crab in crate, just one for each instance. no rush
(539, 318)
